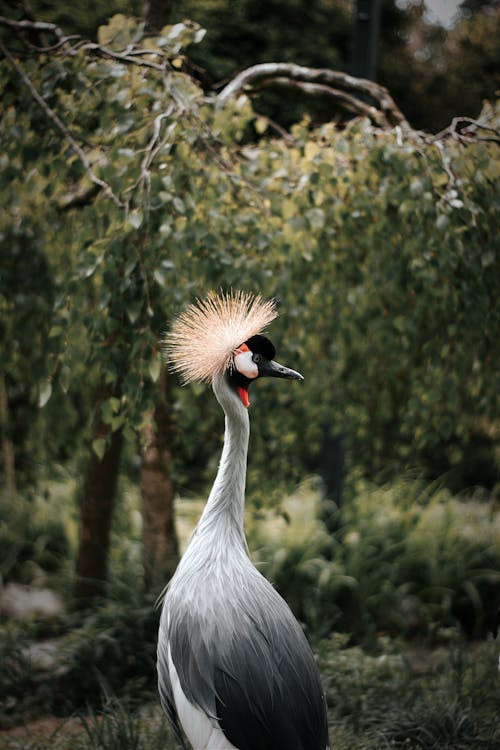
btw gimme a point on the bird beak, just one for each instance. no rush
(270, 368)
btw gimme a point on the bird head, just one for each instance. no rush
(221, 335)
(255, 359)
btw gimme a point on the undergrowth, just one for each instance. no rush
(404, 564)
(395, 696)
(445, 699)
(405, 559)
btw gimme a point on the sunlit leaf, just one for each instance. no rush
(99, 447)
(155, 369)
(44, 393)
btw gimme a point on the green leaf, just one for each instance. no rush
(117, 422)
(99, 447)
(316, 218)
(135, 218)
(133, 311)
(155, 369)
(159, 277)
(179, 205)
(119, 32)
(487, 259)
(44, 393)
(261, 124)
(109, 408)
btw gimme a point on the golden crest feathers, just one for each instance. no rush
(203, 338)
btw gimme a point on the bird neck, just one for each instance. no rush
(223, 512)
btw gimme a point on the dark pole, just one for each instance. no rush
(156, 15)
(365, 39)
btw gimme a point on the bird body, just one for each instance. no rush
(234, 667)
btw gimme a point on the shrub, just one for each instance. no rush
(407, 558)
(32, 537)
(379, 699)
(111, 648)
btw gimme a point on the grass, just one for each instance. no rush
(444, 699)
(114, 728)
(405, 560)
(395, 696)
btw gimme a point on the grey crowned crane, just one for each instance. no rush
(235, 670)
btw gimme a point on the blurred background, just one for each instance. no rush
(137, 174)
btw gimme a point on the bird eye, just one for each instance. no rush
(257, 358)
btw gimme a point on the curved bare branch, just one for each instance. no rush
(32, 26)
(346, 101)
(76, 42)
(349, 92)
(466, 130)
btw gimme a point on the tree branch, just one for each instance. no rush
(469, 132)
(342, 98)
(61, 128)
(355, 89)
(78, 43)
(124, 58)
(33, 26)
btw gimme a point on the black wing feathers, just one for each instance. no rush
(246, 663)
(271, 698)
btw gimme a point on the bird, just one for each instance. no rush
(235, 670)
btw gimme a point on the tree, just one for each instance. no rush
(146, 190)
(98, 494)
(435, 73)
(429, 75)
(156, 15)
(160, 547)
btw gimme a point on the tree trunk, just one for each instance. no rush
(97, 509)
(7, 446)
(156, 15)
(160, 547)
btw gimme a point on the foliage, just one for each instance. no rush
(452, 70)
(381, 248)
(17, 681)
(105, 652)
(83, 17)
(242, 33)
(111, 648)
(390, 697)
(396, 241)
(116, 728)
(433, 73)
(406, 559)
(32, 541)
(113, 727)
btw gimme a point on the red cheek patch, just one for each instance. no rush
(243, 394)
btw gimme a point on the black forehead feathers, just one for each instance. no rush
(261, 345)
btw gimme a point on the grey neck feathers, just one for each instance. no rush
(224, 508)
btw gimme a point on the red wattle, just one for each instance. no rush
(243, 394)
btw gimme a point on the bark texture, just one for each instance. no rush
(160, 546)
(355, 95)
(97, 510)
(9, 469)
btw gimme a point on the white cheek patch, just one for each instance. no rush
(245, 365)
